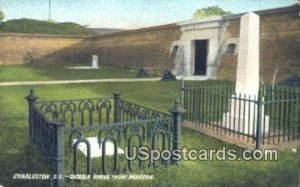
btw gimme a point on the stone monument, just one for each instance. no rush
(95, 61)
(247, 81)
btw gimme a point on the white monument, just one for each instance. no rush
(95, 61)
(247, 81)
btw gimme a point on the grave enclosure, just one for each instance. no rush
(59, 128)
(269, 120)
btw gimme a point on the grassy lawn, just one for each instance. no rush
(44, 72)
(18, 157)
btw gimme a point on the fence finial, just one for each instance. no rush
(177, 108)
(31, 96)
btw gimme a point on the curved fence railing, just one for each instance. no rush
(132, 111)
(79, 112)
(101, 136)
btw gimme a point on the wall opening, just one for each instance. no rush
(201, 50)
(174, 53)
(177, 57)
(230, 49)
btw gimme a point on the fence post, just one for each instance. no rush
(182, 93)
(177, 112)
(31, 98)
(58, 154)
(258, 124)
(117, 113)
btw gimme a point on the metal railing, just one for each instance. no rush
(270, 117)
(59, 128)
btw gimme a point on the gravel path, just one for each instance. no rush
(20, 83)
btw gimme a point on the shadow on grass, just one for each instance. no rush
(22, 161)
(17, 156)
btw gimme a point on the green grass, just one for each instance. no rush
(44, 72)
(43, 27)
(17, 157)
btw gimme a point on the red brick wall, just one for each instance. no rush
(148, 47)
(279, 47)
(43, 48)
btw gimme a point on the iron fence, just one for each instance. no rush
(270, 117)
(130, 111)
(60, 128)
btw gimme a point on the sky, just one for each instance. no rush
(125, 14)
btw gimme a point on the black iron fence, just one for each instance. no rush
(270, 117)
(130, 112)
(104, 129)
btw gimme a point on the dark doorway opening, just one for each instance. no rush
(200, 57)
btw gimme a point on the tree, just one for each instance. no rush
(1, 16)
(210, 11)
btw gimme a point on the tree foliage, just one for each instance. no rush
(1, 15)
(210, 11)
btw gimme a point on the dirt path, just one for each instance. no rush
(20, 83)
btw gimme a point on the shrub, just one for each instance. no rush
(28, 59)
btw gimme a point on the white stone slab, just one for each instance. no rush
(95, 61)
(95, 150)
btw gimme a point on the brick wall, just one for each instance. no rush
(279, 47)
(43, 48)
(149, 47)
